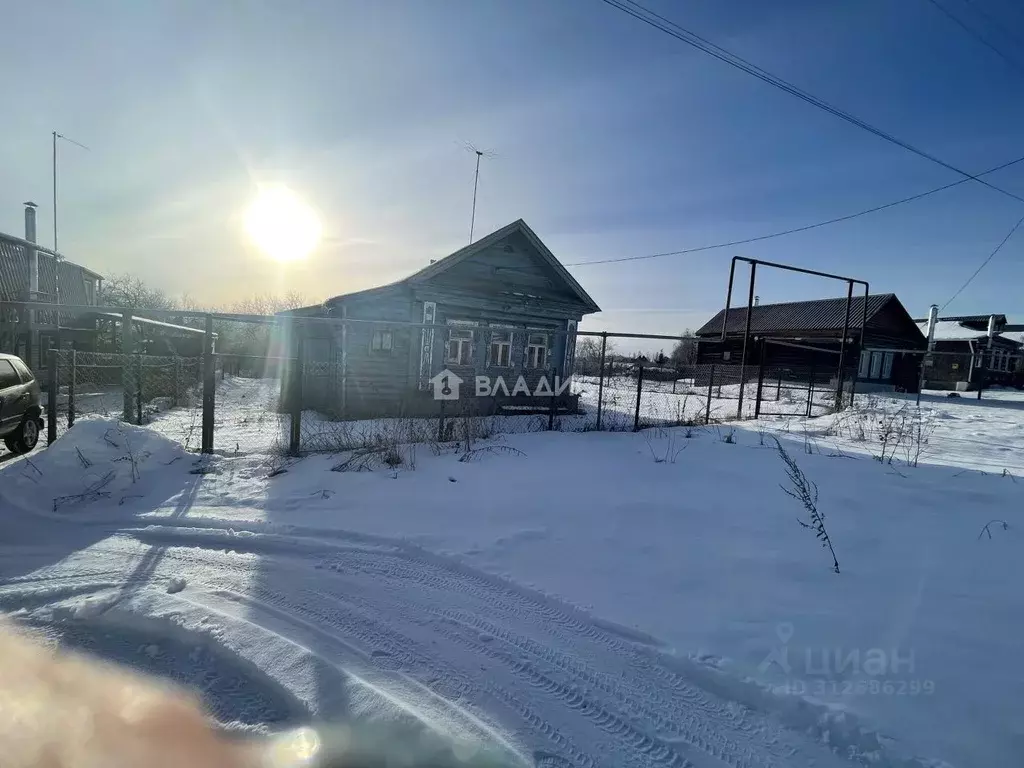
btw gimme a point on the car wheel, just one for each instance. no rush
(26, 438)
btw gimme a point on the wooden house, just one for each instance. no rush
(506, 306)
(967, 359)
(811, 332)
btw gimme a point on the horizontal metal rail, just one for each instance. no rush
(142, 312)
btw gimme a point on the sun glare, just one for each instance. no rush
(281, 225)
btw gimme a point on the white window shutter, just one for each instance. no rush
(570, 348)
(427, 344)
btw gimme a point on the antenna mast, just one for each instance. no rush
(476, 183)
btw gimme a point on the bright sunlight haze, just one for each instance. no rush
(281, 225)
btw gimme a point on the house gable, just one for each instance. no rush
(893, 321)
(512, 265)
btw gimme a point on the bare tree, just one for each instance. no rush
(588, 355)
(685, 350)
(130, 292)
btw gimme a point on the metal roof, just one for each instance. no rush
(816, 315)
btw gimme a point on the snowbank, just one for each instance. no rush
(98, 464)
(593, 597)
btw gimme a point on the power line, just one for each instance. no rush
(669, 27)
(984, 263)
(995, 22)
(797, 229)
(976, 35)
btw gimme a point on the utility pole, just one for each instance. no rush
(56, 253)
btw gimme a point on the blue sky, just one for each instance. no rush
(611, 139)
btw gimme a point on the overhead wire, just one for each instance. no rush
(975, 34)
(983, 264)
(995, 22)
(795, 230)
(671, 28)
(684, 35)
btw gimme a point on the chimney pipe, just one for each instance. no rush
(991, 329)
(33, 255)
(933, 317)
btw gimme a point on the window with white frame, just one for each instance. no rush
(382, 341)
(499, 352)
(876, 365)
(887, 366)
(865, 365)
(537, 350)
(460, 343)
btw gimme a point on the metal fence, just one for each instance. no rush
(139, 389)
(298, 396)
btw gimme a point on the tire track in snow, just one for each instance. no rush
(577, 690)
(695, 733)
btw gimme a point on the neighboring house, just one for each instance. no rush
(508, 308)
(967, 359)
(818, 324)
(31, 273)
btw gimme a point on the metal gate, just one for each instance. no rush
(797, 379)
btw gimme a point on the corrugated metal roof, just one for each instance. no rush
(816, 315)
(14, 275)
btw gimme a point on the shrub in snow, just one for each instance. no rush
(806, 492)
(985, 529)
(671, 452)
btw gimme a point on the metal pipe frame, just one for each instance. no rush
(850, 281)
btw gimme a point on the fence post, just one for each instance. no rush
(138, 388)
(760, 384)
(209, 387)
(778, 388)
(707, 406)
(72, 382)
(639, 392)
(177, 382)
(810, 391)
(127, 350)
(551, 410)
(440, 423)
(600, 378)
(51, 400)
(299, 373)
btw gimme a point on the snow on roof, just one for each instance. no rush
(948, 330)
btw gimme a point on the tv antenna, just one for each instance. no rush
(476, 180)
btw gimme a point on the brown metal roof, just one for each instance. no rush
(816, 315)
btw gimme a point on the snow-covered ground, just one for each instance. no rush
(574, 598)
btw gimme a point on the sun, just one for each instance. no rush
(281, 225)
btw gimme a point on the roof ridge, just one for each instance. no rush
(809, 301)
